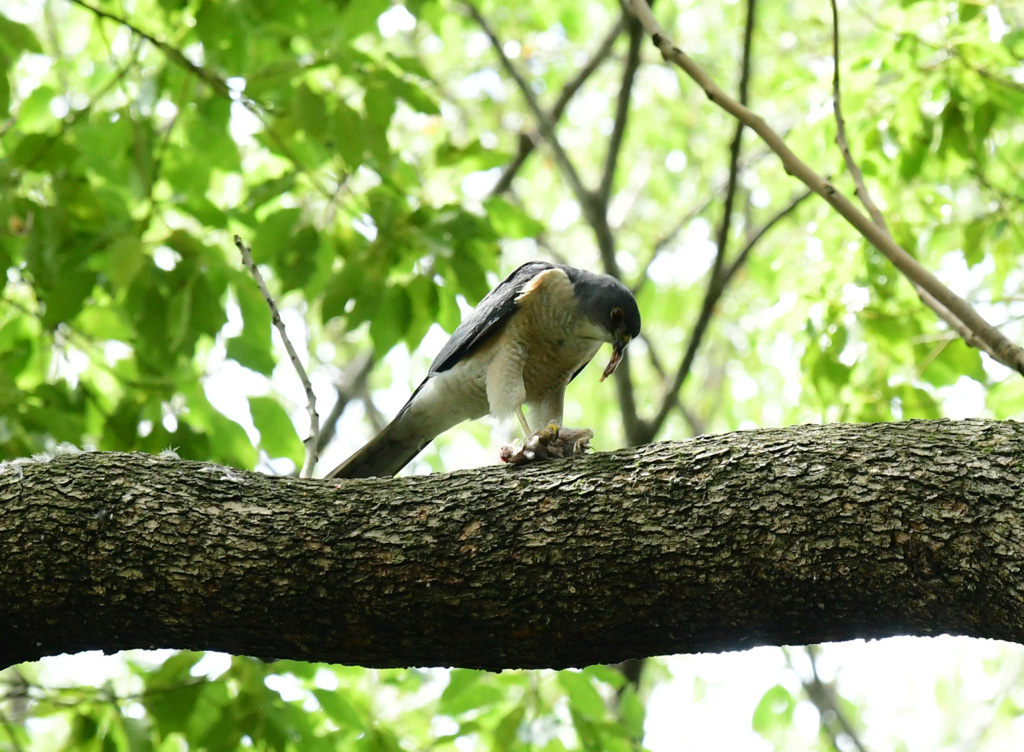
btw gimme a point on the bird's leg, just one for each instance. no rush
(522, 421)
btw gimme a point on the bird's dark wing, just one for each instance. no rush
(488, 317)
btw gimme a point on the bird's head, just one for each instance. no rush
(610, 305)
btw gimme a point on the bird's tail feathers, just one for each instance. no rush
(384, 455)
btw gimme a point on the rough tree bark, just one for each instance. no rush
(796, 535)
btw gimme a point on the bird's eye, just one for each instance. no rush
(616, 316)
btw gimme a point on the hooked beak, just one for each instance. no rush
(618, 348)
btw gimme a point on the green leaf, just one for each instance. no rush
(289, 244)
(347, 130)
(172, 707)
(467, 690)
(610, 675)
(251, 353)
(360, 16)
(268, 190)
(774, 712)
(311, 112)
(391, 321)
(984, 119)
(253, 348)
(510, 221)
(954, 130)
(632, 713)
(583, 697)
(210, 137)
(16, 38)
(916, 403)
(946, 361)
(277, 433)
(425, 304)
(969, 11)
(104, 324)
(473, 156)
(339, 709)
(380, 106)
(5, 90)
(507, 730)
(974, 240)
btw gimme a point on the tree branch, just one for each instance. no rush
(591, 207)
(737, 141)
(544, 123)
(1005, 351)
(823, 697)
(526, 142)
(717, 284)
(629, 69)
(312, 441)
(861, 191)
(785, 536)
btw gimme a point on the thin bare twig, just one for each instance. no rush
(861, 190)
(544, 123)
(694, 212)
(1001, 348)
(632, 423)
(741, 257)
(311, 441)
(174, 54)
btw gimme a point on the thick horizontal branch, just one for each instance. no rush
(785, 536)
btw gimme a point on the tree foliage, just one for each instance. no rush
(385, 166)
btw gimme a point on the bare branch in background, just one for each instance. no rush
(844, 146)
(691, 214)
(348, 388)
(311, 441)
(636, 38)
(1001, 348)
(741, 257)
(544, 123)
(717, 281)
(737, 141)
(823, 696)
(716, 287)
(527, 142)
(592, 208)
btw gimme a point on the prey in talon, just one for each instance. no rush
(521, 346)
(550, 442)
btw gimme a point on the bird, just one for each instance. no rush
(522, 345)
